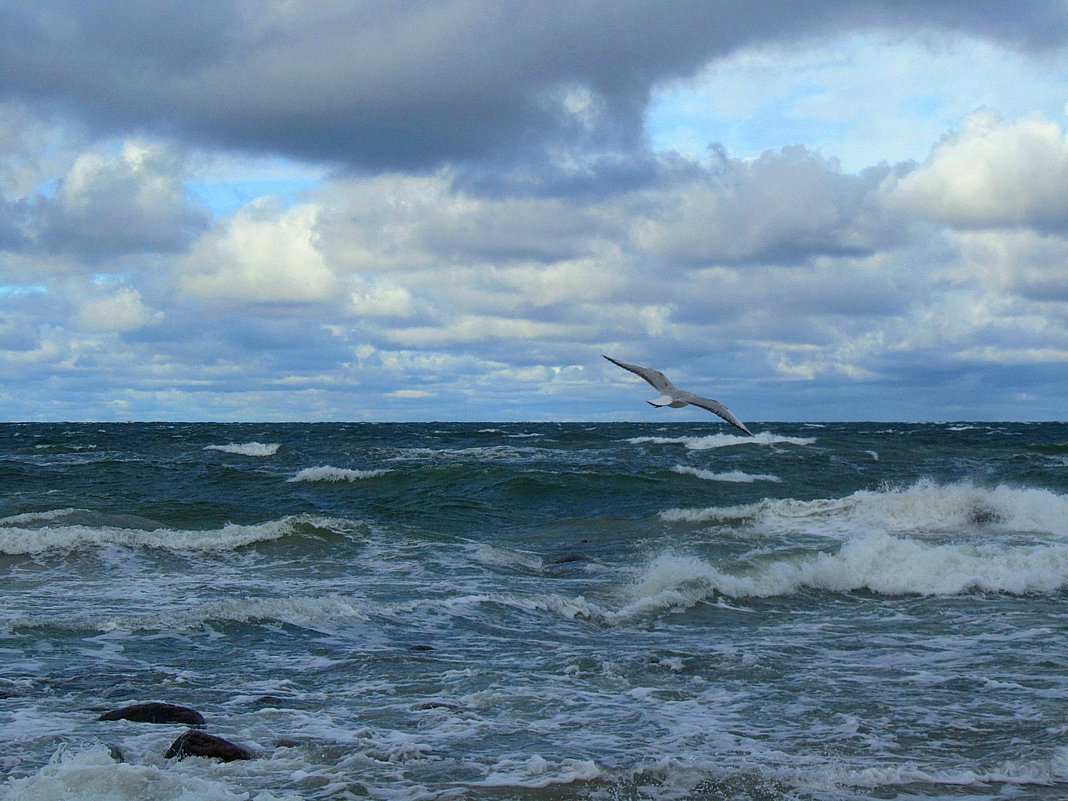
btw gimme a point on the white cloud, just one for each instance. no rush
(993, 173)
(262, 255)
(119, 312)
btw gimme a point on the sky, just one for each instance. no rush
(262, 210)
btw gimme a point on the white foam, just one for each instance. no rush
(879, 563)
(724, 440)
(493, 556)
(91, 775)
(329, 473)
(730, 476)
(924, 507)
(16, 539)
(536, 771)
(247, 448)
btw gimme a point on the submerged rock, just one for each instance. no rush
(156, 712)
(197, 743)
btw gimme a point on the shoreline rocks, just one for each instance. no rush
(197, 743)
(156, 712)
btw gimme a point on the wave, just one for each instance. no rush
(329, 473)
(310, 612)
(923, 507)
(723, 441)
(877, 563)
(247, 448)
(732, 476)
(16, 540)
(92, 773)
(538, 772)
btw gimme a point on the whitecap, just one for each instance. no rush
(925, 507)
(878, 563)
(536, 771)
(329, 473)
(723, 440)
(91, 774)
(20, 540)
(730, 476)
(247, 448)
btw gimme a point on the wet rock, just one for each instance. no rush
(421, 648)
(197, 743)
(436, 705)
(116, 753)
(156, 712)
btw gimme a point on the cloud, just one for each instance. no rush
(494, 217)
(780, 207)
(261, 255)
(119, 312)
(993, 173)
(132, 202)
(418, 84)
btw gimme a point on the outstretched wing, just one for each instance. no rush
(654, 377)
(716, 408)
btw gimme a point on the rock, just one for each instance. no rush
(156, 712)
(116, 753)
(421, 648)
(425, 705)
(197, 743)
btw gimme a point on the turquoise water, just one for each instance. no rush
(499, 611)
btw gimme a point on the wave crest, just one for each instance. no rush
(723, 440)
(877, 563)
(17, 540)
(925, 506)
(730, 476)
(335, 474)
(247, 448)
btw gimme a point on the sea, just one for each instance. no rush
(536, 611)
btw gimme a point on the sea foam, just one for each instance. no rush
(730, 476)
(723, 440)
(91, 774)
(335, 474)
(20, 540)
(878, 563)
(923, 507)
(247, 448)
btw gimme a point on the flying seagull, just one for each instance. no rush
(671, 395)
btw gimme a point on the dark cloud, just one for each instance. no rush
(420, 83)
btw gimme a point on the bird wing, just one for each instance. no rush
(654, 377)
(716, 408)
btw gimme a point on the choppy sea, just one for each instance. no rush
(537, 611)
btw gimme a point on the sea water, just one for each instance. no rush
(537, 611)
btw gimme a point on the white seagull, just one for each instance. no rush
(671, 395)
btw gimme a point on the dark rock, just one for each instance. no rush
(116, 753)
(197, 743)
(421, 648)
(436, 705)
(156, 712)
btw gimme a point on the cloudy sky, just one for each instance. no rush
(449, 209)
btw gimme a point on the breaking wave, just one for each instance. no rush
(923, 507)
(328, 473)
(730, 476)
(25, 540)
(877, 563)
(723, 441)
(247, 448)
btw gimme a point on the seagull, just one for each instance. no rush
(671, 395)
